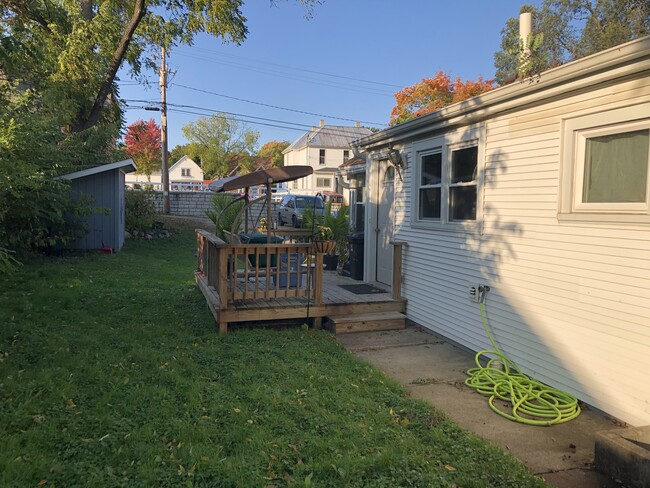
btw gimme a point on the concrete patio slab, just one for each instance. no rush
(434, 371)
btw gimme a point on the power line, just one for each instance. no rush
(278, 124)
(311, 80)
(298, 69)
(275, 106)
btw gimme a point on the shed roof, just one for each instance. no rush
(128, 166)
(333, 136)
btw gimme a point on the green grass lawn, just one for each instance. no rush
(112, 374)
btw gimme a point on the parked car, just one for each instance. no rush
(292, 207)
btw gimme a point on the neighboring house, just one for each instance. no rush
(541, 190)
(184, 175)
(324, 148)
(105, 186)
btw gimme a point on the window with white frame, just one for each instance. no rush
(323, 182)
(185, 172)
(606, 168)
(346, 155)
(447, 182)
(321, 156)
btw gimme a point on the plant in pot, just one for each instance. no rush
(323, 240)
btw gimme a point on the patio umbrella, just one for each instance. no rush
(262, 177)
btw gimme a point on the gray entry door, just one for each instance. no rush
(385, 224)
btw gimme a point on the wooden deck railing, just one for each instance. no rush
(242, 272)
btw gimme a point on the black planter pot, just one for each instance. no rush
(331, 261)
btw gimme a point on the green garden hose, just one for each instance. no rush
(532, 402)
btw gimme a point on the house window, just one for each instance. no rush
(357, 184)
(462, 184)
(606, 169)
(185, 172)
(346, 155)
(447, 181)
(323, 182)
(321, 157)
(430, 193)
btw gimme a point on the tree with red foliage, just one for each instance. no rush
(273, 149)
(432, 94)
(142, 141)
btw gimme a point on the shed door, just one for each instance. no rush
(385, 225)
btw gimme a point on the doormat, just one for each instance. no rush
(362, 289)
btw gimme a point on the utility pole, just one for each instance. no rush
(163, 133)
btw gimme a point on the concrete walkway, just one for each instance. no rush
(434, 371)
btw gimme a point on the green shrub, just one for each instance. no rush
(224, 215)
(139, 209)
(37, 214)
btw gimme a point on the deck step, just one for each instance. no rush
(367, 322)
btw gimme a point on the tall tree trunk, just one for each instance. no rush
(106, 86)
(87, 9)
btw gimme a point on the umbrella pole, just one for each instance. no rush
(268, 212)
(246, 211)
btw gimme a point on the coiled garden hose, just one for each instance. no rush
(532, 402)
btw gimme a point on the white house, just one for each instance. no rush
(185, 174)
(541, 190)
(324, 148)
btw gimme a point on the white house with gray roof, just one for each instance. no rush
(324, 148)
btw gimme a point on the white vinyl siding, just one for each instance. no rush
(569, 300)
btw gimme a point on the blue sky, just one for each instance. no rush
(287, 58)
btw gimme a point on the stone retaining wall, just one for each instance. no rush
(185, 203)
(196, 204)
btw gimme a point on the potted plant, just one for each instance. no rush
(323, 240)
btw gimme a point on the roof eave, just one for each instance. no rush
(127, 166)
(604, 65)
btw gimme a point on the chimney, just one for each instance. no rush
(322, 123)
(313, 128)
(525, 29)
(357, 124)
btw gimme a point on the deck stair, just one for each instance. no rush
(367, 322)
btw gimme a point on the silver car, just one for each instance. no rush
(292, 207)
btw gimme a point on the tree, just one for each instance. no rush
(85, 42)
(59, 103)
(184, 150)
(433, 94)
(273, 149)
(217, 139)
(142, 142)
(566, 30)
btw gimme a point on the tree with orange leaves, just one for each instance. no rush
(432, 94)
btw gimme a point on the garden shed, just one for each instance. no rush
(104, 184)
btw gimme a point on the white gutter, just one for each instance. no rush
(586, 72)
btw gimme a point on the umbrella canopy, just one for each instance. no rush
(261, 177)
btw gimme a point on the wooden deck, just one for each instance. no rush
(249, 296)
